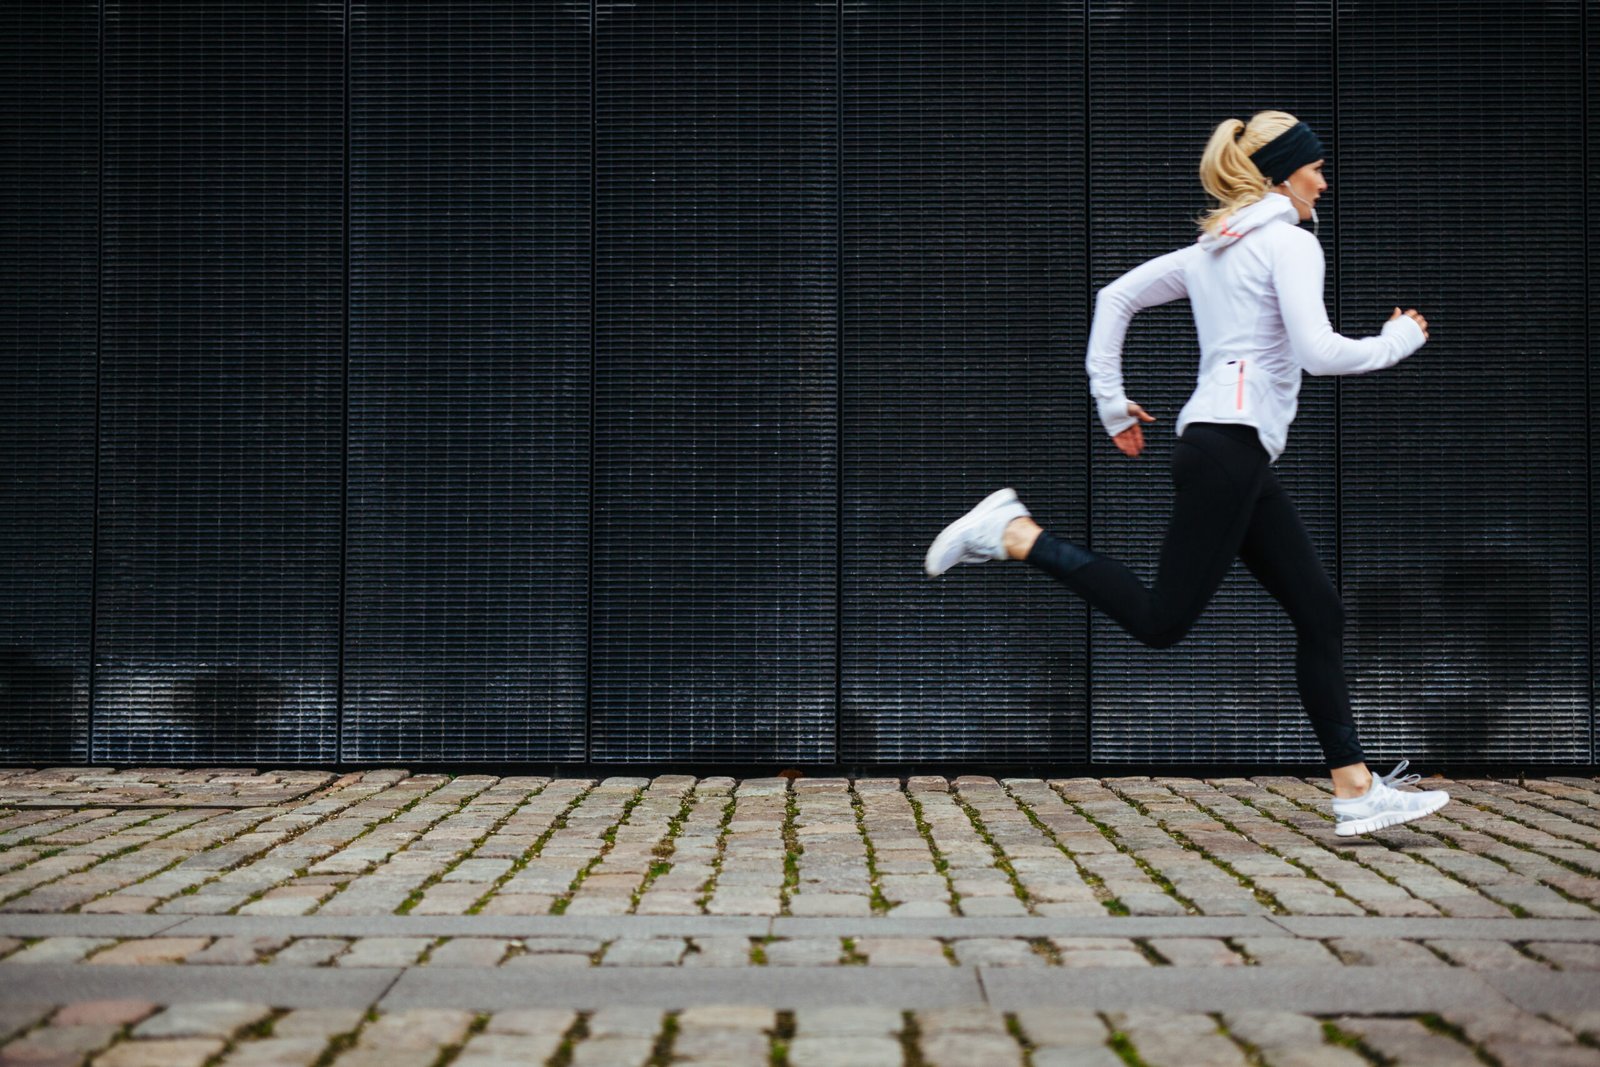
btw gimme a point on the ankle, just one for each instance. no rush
(1351, 782)
(1020, 534)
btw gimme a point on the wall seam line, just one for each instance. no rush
(589, 598)
(838, 378)
(99, 359)
(344, 408)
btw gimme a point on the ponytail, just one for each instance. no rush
(1226, 170)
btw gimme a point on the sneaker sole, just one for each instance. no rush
(934, 562)
(1378, 822)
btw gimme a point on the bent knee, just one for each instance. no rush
(1167, 636)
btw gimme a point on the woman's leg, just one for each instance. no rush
(1218, 474)
(1280, 554)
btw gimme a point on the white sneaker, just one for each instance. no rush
(1383, 805)
(977, 536)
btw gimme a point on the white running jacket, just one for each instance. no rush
(1256, 291)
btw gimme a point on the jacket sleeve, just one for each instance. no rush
(1297, 274)
(1156, 281)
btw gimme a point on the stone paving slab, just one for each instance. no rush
(464, 925)
(1155, 911)
(1026, 926)
(1544, 992)
(1502, 929)
(87, 925)
(1306, 990)
(295, 987)
(786, 988)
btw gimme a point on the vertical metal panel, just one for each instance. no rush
(1591, 296)
(1161, 78)
(1465, 524)
(217, 582)
(964, 299)
(715, 559)
(467, 545)
(48, 265)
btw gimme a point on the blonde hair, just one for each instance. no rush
(1226, 169)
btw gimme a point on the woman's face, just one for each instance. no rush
(1306, 184)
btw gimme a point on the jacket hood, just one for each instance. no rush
(1251, 217)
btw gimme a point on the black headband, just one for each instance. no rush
(1287, 153)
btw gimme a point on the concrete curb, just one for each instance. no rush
(1308, 990)
(633, 926)
(285, 987)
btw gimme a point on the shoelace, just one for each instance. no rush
(1393, 778)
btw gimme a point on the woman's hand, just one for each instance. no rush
(1131, 440)
(1415, 314)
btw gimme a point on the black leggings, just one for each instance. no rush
(1229, 505)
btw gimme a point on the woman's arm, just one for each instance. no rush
(1297, 274)
(1153, 282)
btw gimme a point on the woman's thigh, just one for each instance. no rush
(1279, 552)
(1217, 481)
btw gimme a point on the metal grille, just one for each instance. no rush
(715, 432)
(964, 293)
(48, 259)
(1465, 522)
(217, 581)
(1160, 79)
(1591, 214)
(673, 332)
(467, 545)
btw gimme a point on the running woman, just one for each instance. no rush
(1254, 281)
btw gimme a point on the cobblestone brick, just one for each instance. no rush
(58, 950)
(902, 951)
(1195, 952)
(804, 952)
(854, 1051)
(1569, 955)
(405, 1038)
(1098, 952)
(58, 1044)
(644, 952)
(151, 950)
(1384, 952)
(310, 951)
(103, 1013)
(168, 1052)
(1288, 952)
(1485, 955)
(1057, 1027)
(718, 952)
(384, 952)
(1177, 1039)
(847, 1021)
(1288, 1039)
(221, 1018)
(317, 1022)
(237, 950)
(996, 952)
(583, 945)
(499, 1050)
(1408, 1041)
(469, 952)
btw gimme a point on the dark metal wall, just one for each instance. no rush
(492, 381)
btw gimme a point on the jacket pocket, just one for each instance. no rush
(1234, 388)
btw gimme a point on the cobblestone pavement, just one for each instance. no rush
(171, 917)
